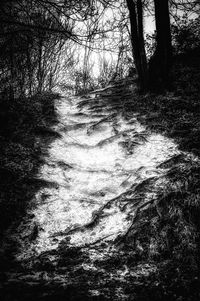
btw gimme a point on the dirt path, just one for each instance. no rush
(73, 227)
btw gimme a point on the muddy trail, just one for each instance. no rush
(99, 175)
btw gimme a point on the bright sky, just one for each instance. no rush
(97, 57)
(149, 24)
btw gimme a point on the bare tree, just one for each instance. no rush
(137, 39)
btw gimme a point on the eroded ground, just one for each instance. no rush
(103, 170)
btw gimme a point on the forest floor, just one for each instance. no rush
(176, 113)
(100, 195)
(22, 124)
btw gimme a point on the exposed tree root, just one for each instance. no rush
(112, 138)
(92, 127)
(96, 216)
(123, 237)
(94, 220)
(89, 245)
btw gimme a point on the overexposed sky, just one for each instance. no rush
(149, 24)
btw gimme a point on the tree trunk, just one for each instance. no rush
(161, 61)
(137, 41)
(143, 58)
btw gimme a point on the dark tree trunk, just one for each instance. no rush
(143, 59)
(137, 41)
(161, 60)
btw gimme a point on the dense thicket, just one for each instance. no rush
(31, 36)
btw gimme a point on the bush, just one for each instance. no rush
(186, 35)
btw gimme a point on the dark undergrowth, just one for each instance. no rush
(23, 122)
(167, 233)
(176, 113)
(167, 236)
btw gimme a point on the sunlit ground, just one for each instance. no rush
(90, 165)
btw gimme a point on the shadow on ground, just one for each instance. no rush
(25, 133)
